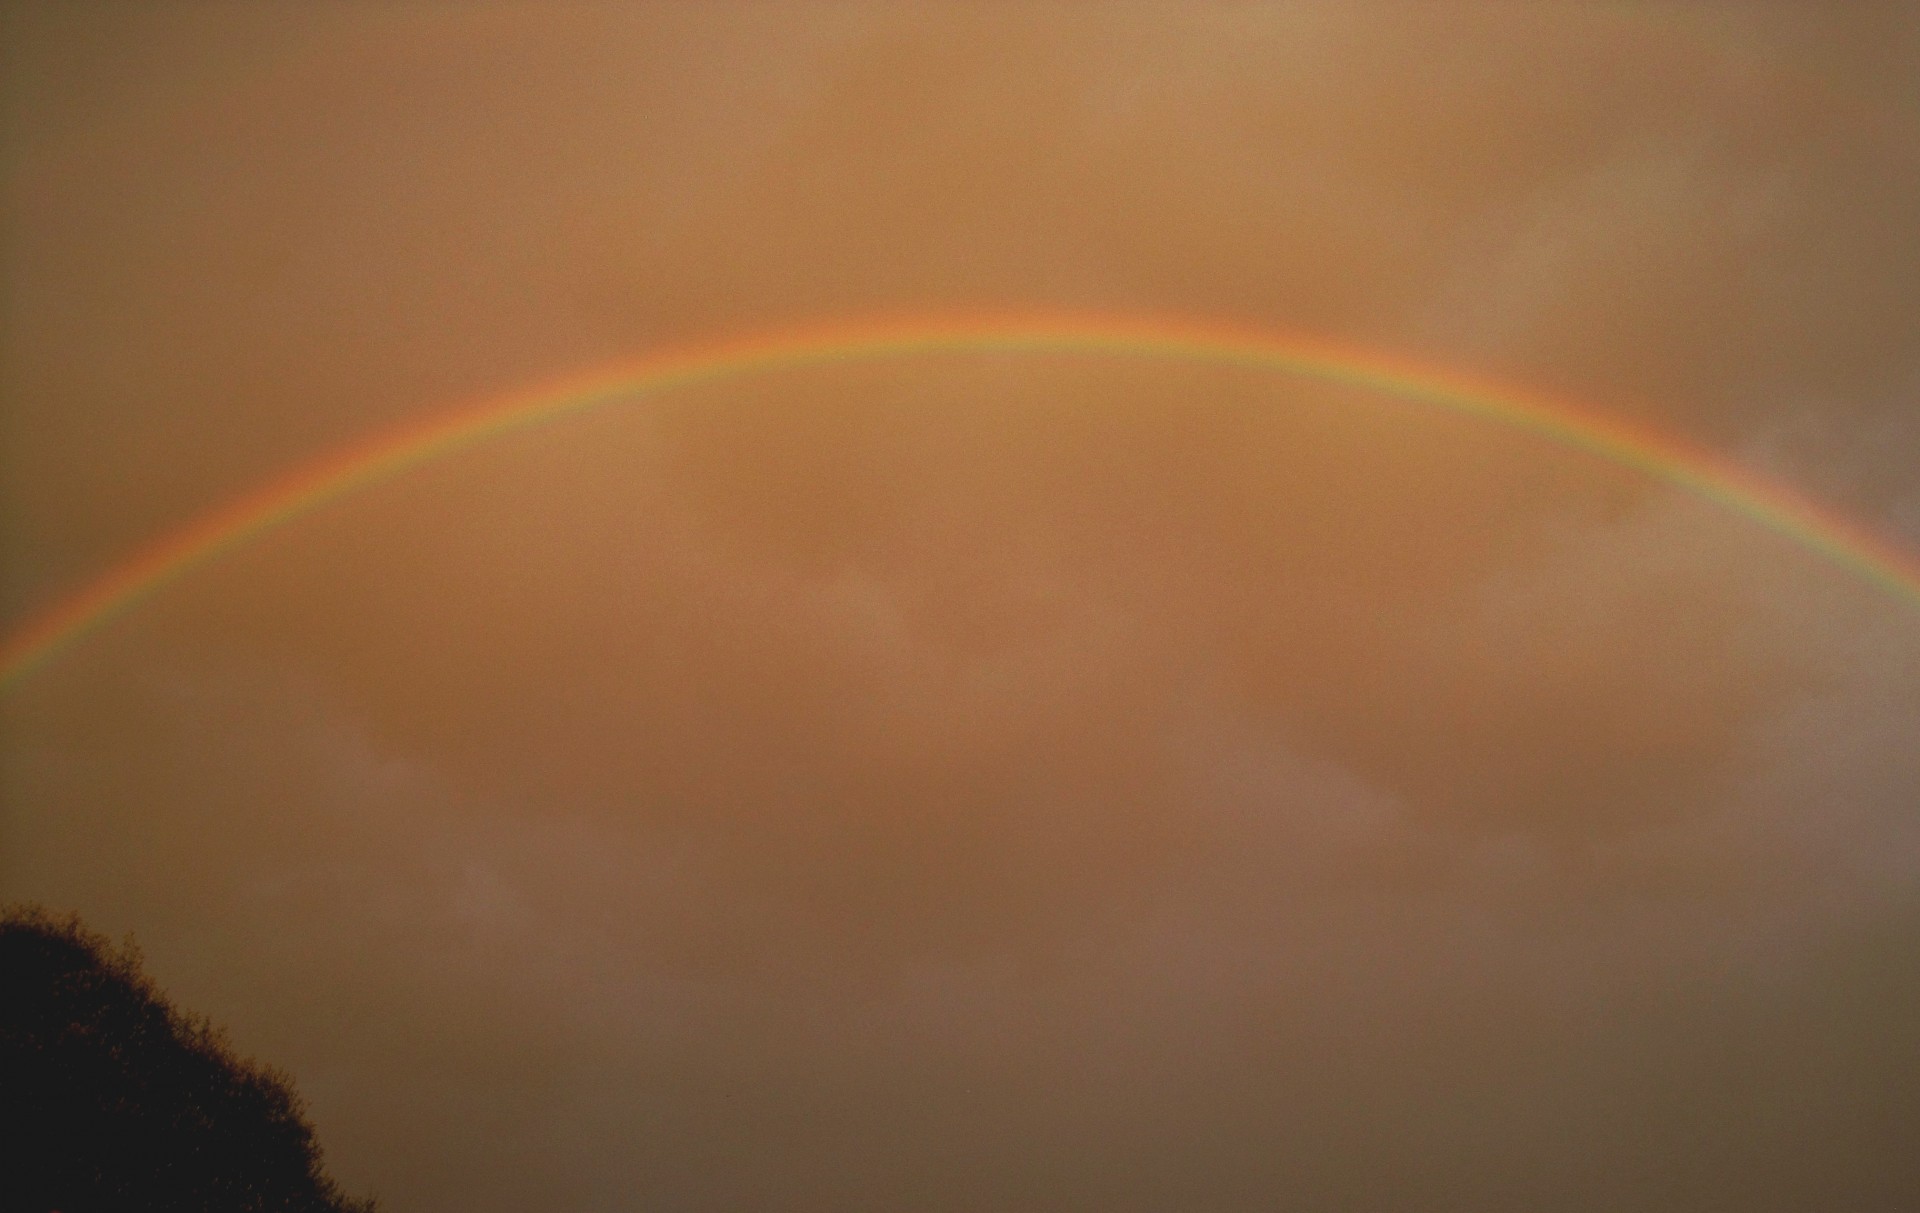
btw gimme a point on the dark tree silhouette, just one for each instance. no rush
(113, 1101)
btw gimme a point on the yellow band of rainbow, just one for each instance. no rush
(1661, 456)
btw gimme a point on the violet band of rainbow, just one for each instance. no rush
(1658, 455)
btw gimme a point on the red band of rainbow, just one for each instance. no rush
(1658, 455)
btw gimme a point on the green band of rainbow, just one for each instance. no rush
(1658, 455)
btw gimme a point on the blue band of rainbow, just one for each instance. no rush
(1658, 455)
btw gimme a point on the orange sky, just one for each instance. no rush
(987, 782)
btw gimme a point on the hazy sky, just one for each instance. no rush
(990, 782)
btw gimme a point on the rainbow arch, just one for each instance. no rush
(1661, 456)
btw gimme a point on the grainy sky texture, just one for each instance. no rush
(990, 782)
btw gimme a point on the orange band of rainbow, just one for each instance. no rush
(1658, 455)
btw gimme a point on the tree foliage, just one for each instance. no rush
(112, 1100)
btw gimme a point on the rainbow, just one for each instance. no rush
(1660, 456)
